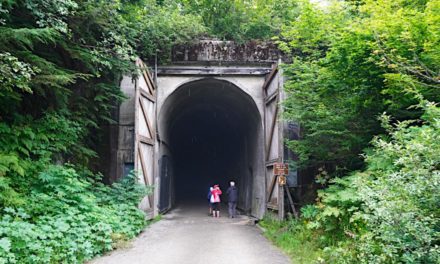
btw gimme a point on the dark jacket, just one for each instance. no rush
(232, 193)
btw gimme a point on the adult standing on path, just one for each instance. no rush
(215, 200)
(232, 194)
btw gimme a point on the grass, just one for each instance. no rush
(298, 242)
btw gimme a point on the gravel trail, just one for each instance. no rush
(187, 235)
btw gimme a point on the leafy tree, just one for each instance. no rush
(352, 62)
(386, 213)
(60, 65)
(242, 20)
(162, 26)
(349, 67)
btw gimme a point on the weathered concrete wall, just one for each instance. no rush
(126, 123)
(226, 51)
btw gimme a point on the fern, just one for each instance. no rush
(26, 38)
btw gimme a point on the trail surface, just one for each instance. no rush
(187, 235)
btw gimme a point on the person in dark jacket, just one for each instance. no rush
(232, 194)
(209, 200)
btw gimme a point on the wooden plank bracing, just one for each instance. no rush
(147, 77)
(146, 119)
(148, 96)
(272, 131)
(271, 97)
(270, 78)
(143, 167)
(146, 140)
(271, 187)
(145, 133)
(273, 137)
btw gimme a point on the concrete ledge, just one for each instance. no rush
(261, 64)
(212, 71)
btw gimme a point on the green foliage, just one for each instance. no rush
(336, 206)
(68, 56)
(51, 14)
(52, 213)
(301, 244)
(400, 192)
(243, 20)
(162, 26)
(65, 219)
(60, 63)
(14, 73)
(351, 63)
(387, 213)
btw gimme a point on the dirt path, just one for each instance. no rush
(188, 236)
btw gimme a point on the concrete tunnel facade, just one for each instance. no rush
(210, 132)
(208, 117)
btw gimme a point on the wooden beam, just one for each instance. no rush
(147, 77)
(150, 78)
(146, 140)
(144, 172)
(269, 78)
(271, 97)
(281, 212)
(150, 127)
(272, 206)
(148, 96)
(271, 187)
(272, 128)
(150, 90)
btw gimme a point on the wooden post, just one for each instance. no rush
(280, 172)
(280, 202)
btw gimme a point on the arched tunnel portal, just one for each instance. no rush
(210, 133)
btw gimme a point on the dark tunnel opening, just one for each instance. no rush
(213, 131)
(205, 147)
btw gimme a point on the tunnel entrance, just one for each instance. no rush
(211, 133)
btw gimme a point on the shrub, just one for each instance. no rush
(387, 213)
(397, 219)
(401, 195)
(65, 221)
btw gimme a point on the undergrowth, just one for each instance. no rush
(387, 213)
(299, 243)
(68, 219)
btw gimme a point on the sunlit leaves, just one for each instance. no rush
(14, 74)
(51, 13)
